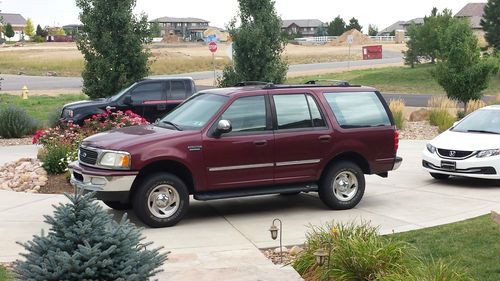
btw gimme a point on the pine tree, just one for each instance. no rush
(336, 27)
(85, 243)
(257, 43)
(354, 24)
(9, 31)
(491, 23)
(112, 46)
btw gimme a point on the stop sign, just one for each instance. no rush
(212, 46)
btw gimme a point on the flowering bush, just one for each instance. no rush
(61, 143)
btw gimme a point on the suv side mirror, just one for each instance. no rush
(127, 100)
(223, 127)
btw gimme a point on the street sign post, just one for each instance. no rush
(350, 39)
(212, 46)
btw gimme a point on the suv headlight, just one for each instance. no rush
(431, 148)
(116, 160)
(68, 113)
(488, 153)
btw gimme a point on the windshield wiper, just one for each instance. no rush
(173, 125)
(482, 131)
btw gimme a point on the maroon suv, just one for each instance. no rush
(244, 141)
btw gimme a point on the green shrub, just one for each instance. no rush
(55, 158)
(431, 271)
(356, 252)
(460, 114)
(16, 123)
(38, 39)
(85, 243)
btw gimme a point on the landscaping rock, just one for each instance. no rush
(495, 216)
(51, 73)
(23, 175)
(419, 115)
(295, 250)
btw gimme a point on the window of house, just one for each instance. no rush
(297, 111)
(247, 114)
(358, 110)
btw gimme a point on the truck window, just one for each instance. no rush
(358, 109)
(178, 90)
(147, 92)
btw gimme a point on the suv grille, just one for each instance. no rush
(454, 154)
(88, 156)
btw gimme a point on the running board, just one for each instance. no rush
(246, 192)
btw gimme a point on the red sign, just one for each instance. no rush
(212, 46)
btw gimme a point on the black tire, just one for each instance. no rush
(119, 206)
(339, 200)
(440, 176)
(170, 184)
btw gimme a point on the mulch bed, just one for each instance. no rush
(57, 184)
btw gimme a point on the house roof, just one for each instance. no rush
(393, 27)
(302, 23)
(179, 20)
(13, 19)
(472, 10)
(416, 21)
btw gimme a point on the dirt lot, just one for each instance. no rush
(66, 60)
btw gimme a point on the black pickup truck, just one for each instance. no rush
(152, 98)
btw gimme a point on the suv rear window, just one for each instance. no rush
(358, 110)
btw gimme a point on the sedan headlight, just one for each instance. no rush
(488, 153)
(431, 148)
(116, 160)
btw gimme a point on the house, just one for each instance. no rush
(190, 29)
(72, 29)
(18, 24)
(400, 25)
(474, 13)
(306, 27)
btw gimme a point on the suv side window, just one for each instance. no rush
(358, 110)
(247, 114)
(297, 111)
(147, 92)
(178, 90)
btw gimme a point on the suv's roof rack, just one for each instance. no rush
(338, 83)
(252, 83)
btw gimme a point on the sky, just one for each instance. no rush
(381, 13)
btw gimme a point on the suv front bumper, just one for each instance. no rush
(109, 185)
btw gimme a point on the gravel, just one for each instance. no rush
(23, 175)
(418, 131)
(11, 142)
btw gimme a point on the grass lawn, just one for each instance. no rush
(4, 275)
(472, 244)
(396, 80)
(39, 107)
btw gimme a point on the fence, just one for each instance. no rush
(325, 39)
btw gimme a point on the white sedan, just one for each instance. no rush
(471, 148)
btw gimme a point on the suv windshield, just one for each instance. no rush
(194, 113)
(481, 121)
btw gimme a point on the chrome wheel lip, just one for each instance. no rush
(345, 186)
(163, 201)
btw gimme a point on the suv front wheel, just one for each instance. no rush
(161, 200)
(343, 186)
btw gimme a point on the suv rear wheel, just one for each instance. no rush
(343, 186)
(161, 200)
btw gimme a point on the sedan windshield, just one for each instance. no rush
(194, 113)
(482, 121)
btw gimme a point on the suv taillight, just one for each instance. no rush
(396, 141)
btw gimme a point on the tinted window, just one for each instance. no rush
(177, 90)
(297, 111)
(147, 92)
(247, 114)
(354, 110)
(315, 113)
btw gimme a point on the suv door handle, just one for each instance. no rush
(260, 143)
(325, 138)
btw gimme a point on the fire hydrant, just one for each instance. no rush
(24, 93)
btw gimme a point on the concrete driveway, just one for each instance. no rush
(219, 240)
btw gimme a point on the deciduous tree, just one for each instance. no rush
(372, 30)
(257, 43)
(29, 29)
(491, 23)
(462, 72)
(112, 45)
(155, 29)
